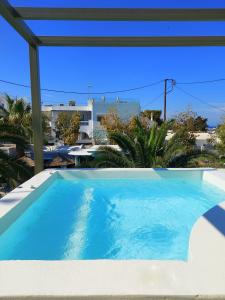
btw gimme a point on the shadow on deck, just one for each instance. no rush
(216, 216)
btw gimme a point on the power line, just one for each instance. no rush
(199, 99)
(114, 92)
(153, 100)
(86, 93)
(202, 82)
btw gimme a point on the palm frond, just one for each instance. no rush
(14, 139)
(111, 157)
(126, 144)
(12, 170)
(148, 148)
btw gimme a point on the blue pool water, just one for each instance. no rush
(110, 219)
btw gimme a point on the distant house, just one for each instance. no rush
(202, 139)
(91, 115)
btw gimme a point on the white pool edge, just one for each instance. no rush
(203, 274)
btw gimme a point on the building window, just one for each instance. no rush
(85, 115)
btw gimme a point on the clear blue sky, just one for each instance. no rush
(120, 68)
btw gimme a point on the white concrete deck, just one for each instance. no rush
(202, 276)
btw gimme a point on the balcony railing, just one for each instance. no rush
(84, 123)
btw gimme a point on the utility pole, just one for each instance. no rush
(165, 103)
(173, 82)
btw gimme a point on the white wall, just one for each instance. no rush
(125, 110)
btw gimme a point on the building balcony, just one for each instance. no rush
(84, 123)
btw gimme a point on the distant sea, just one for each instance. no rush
(212, 126)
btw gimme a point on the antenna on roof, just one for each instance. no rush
(89, 90)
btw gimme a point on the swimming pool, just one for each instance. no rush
(123, 216)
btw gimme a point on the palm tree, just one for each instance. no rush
(144, 148)
(18, 113)
(13, 171)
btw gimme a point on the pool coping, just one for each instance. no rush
(202, 275)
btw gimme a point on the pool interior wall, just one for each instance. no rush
(126, 215)
(16, 211)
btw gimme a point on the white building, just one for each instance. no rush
(91, 115)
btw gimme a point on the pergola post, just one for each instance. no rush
(36, 108)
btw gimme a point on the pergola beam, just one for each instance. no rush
(9, 13)
(119, 14)
(102, 41)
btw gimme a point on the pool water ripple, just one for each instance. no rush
(110, 219)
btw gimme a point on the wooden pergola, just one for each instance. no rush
(16, 16)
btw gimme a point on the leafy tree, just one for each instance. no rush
(200, 124)
(61, 124)
(71, 133)
(190, 120)
(67, 127)
(112, 122)
(143, 148)
(152, 115)
(46, 128)
(220, 133)
(186, 138)
(146, 118)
